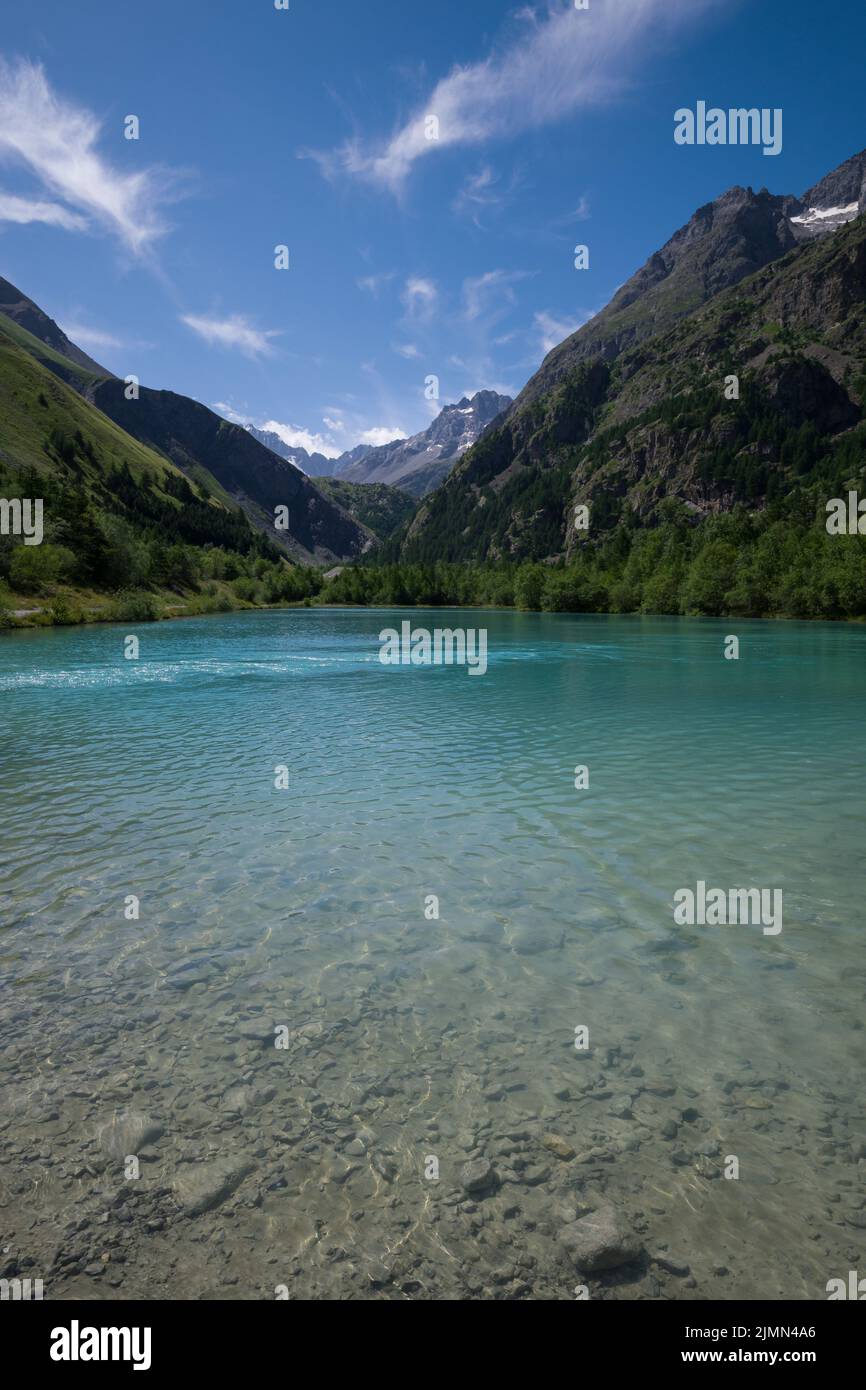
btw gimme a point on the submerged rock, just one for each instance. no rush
(531, 941)
(127, 1133)
(203, 1186)
(600, 1241)
(559, 1146)
(477, 1175)
(189, 973)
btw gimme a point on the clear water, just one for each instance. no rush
(410, 1038)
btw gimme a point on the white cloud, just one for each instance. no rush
(382, 434)
(24, 210)
(373, 283)
(233, 332)
(407, 350)
(484, 191)
(56, 141)
(419, 297)
(478, 192)
(553, 331)
(340, 436)
(92, 337)
(562, 62)
(298, 438)
(230, 413)
(490, 292)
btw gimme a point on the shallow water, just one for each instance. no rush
(412, 1039)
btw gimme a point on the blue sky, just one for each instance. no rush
(410, 257)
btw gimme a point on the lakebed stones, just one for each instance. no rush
(478, 1176)
(240, 1100)
(600, 1241)
(189, 973)
(127, 1133)
(202, 1186)
(531, 941)
(555, 1144)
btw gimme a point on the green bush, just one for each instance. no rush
(246, 589)
(133, 606)
(63, 613)
(34, 568)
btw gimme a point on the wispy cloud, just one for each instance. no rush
(420, 297)
(55, 140)
(491, 294)
(373, 283)
(233, 332)
(24, 210)
(91, 337)
(561, 60)
(581, 213)
(552, 331)
(485, 192)
(228, 410)
(408, 350)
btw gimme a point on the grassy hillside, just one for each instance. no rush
(225, 460)
(205, 446)
(122, 523)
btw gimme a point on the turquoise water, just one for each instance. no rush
(412, 1037)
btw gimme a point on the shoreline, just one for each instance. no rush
(18, 626)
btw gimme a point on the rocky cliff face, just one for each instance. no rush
(722, 243)
(631, 410)
(836, 199)
(419, 464)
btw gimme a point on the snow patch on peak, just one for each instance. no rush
(815, 216)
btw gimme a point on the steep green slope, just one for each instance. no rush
(655, 424)
(22, 310)
(117, 515)
(378, 506)
(224, 458)
(202, 443)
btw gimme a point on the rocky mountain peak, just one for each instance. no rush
(421, 462)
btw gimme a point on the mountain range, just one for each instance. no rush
(418, 464)
(722, 375)
(770, 288)
(314, 465)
